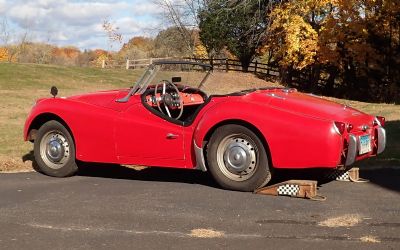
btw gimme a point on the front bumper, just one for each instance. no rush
(353, 149)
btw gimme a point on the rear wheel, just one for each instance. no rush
(54, 150)
(237, 158)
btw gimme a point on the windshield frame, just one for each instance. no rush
(141, 85)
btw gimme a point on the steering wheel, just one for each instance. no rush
(168, 99)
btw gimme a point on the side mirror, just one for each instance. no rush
(176, 79)
(54, 91)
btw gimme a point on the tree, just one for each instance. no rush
(183, 15)
(348, 48)
(66, 55)
(168, 43)
(239, 25)
(137, 48)
(6, 36)
(292, 34)
(212, 33)
(3, 55)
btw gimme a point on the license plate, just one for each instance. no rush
(365, 144)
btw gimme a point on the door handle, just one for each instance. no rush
(171, 136)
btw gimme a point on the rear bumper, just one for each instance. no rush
(353, 148)
(381, 133)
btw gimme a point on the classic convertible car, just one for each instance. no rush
(164, 121)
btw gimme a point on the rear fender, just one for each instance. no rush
(224, 113)
(294, 140)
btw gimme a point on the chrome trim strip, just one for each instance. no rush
(377, 122)
(381, 139)
(276, 96)
(200, 163)
(336, 129)
(352, 150)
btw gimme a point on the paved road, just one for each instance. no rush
(167, 209)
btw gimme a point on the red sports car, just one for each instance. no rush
(239, 137)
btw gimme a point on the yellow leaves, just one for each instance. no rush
(301, 44)
(6, 55)
(200, 51)
(3, 55)
(295, 38)
(303, 32)
(99, 60)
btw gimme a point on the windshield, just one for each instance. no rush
(189, 74)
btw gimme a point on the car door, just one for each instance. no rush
(144, 138)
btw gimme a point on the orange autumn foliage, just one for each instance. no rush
(3, 55)
(67, 52)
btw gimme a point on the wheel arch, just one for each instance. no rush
(41, 119)
(243, 123)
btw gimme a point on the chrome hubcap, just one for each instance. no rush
(237, 157)
(54, 149)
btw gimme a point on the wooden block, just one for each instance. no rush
(292, 188)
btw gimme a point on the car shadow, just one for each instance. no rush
(385, 177)
(321, 175)
(158, 174)
(115, 171)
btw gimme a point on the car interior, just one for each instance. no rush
(173, 101)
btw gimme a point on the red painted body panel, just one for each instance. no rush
(141, 138)
(91, 127)
(298, 145)
(297, 128)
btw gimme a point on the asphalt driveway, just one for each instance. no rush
(109, 207)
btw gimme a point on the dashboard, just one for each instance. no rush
(189, 99)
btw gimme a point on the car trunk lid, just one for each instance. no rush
(311, 105)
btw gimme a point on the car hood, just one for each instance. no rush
(306, 104)
(101, 98)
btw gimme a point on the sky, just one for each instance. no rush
(79, 22)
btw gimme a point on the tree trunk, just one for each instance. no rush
(245, 64)
(286, 75)
(330, 83)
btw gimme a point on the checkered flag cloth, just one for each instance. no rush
(343, 177)
(288, 189)
(339, 175)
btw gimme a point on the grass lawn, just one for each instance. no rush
(22, 84)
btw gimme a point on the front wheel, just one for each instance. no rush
(237, 158)
(54, 150)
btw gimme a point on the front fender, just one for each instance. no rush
(91, 126)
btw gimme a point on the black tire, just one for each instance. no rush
(54, 150)
(237, 158)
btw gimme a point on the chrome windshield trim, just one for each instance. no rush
(149, 74)
(204, 79)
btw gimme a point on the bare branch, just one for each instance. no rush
(112, 32)
(4, 32)
(183, 14)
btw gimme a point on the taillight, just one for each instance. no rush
(339, 127)
(349, 127)
(380, 121)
